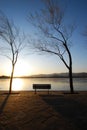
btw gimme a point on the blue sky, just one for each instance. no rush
(76, 10)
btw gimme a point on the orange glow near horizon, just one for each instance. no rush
(21, 69)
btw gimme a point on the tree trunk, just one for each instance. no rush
(70, 73)
(70, 69)
(71, 80)
(11, 79)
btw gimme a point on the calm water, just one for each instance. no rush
(56, 83)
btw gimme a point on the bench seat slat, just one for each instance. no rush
(41, 86)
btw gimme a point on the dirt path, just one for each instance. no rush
(27, 111)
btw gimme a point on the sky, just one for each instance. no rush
(32, 63)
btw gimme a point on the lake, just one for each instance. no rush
(56, 83)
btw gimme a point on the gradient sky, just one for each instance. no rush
(76, 11)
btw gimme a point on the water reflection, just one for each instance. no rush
(17, 84)
(56, 83)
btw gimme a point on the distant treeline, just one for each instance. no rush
(55, 75)
(60, 75)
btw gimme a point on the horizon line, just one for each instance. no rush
(42, 74)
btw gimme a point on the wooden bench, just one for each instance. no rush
(41, 86)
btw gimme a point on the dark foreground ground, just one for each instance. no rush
(56, 111)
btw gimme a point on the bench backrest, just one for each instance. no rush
(41, 86)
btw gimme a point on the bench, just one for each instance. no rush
(41, 86)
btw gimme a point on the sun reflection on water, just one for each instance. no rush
(17, 84)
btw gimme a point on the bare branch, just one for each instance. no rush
(6, 56)
(10, 34)
(50, 22)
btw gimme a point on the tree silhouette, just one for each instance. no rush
(50, 21)
(9, 33)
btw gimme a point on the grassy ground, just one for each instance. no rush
(56, 111)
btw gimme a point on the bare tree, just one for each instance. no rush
(51, 22)
(9, 33)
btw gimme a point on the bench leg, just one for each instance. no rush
(35, 91)
(48, 91)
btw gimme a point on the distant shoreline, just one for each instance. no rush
(55, 75)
